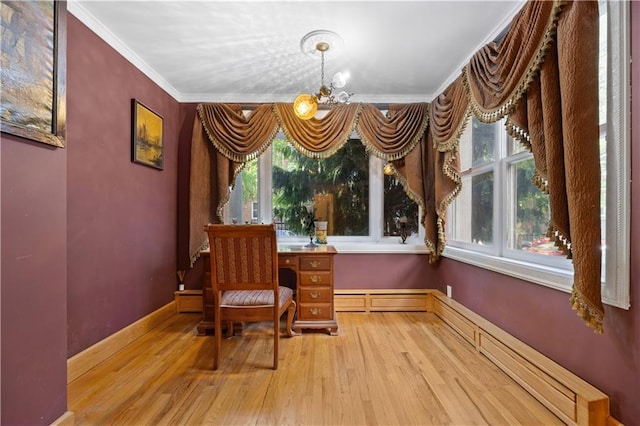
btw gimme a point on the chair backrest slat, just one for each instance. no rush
(243, 257)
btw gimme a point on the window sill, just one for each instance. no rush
(366, 247)
(555, 278)
(380, 248)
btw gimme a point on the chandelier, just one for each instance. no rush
(305, 105)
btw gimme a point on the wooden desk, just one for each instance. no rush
(313, 268)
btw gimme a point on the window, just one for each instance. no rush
(338, 187)
(499, 211)
(500, 218)
(398, 207)
(473, 208)
(243, 202)
(349, 190)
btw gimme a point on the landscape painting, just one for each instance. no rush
(32, 70)
(146, 136)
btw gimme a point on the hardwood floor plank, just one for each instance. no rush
(388, 368)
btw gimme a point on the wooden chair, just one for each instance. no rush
(244, 279)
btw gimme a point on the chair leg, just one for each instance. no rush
(229, 329)
(276, 343)
(217, 340)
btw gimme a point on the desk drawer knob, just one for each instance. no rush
(314, 264)
(314, 311)
(315, 279)
(287, 261)
(314, 295)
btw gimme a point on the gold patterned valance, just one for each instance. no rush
(392, 136)
(499, 73)
(318, 138)
(237, 137)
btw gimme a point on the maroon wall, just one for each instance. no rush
(362, 271)
(187, 116)
(382, 271)
(33, 282)
(543, 318)
(121, 215)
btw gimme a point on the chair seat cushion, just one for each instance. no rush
(254, 297)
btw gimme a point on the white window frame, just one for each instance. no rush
(508, 200)
(617, 251)
(375, 242)
(615, 285)
(546, 270)
(254, 211)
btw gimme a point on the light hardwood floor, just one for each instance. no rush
(382, 369)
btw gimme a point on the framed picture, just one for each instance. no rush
(33, 70)
(146, 136)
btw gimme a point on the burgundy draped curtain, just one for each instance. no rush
(542, 76)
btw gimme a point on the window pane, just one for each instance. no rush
(514, 146)
(474, 210)
(602, 65)
(484, 138)
(531, 213)
(242, 205)
(338, 186)
(397, 204)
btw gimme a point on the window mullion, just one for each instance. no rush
(500, 191)
(376, 197)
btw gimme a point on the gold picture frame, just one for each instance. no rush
(146, 136)
(33, 64)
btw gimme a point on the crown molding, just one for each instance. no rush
(119, 46)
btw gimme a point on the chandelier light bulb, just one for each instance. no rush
(343, 97)
(340, 80)
(305, 106)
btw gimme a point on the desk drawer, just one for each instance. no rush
(287, 261)
(315, 295)
(308, 263)
(316, 278)
(315, 311)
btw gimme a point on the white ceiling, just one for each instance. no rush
(249, 51)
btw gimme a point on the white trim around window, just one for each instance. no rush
(618, 223)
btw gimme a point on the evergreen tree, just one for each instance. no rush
(345, 175)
